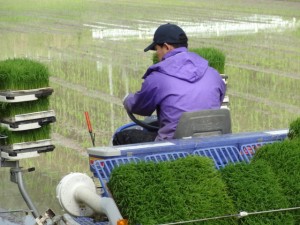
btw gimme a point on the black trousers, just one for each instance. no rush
(133, 136)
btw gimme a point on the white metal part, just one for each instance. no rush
(226, 99)
(101, 205)
(26, 145)
(76, 193)
(224, 78)
(24, 98)
(31, 116)
(66, 189)
(19, 156)
(22, 127)
(24, 95)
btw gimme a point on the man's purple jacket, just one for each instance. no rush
(181, 82)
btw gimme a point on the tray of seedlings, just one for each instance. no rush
(28, 121)
(25, 116)
(24, 95)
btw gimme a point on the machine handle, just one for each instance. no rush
(87, 118)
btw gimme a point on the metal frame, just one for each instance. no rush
(16, 176)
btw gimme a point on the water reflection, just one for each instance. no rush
(10, 200)
(207, 28)
(16, 219)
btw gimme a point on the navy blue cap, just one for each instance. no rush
(168, 33)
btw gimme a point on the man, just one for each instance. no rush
(181, 81)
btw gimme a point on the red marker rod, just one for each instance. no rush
(88, 122)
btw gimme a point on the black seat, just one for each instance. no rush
(204, 123)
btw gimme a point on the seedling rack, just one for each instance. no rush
(11, 154)
(24, 122)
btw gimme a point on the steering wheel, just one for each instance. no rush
(144, 124)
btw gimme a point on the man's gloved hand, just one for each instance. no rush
(124, 101)
(125, 98)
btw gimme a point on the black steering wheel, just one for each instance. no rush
(144, 123)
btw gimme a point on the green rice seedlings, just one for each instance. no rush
(171, 191)
(294, 129)
(14, 137)
(23, 74)
(20, 74)
(215, 57)
(254, 187)
(11, 109)
(284, 158)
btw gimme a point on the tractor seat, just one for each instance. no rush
(204, 123)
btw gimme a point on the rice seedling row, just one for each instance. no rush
(255, 188)
(252, 118)
(276, 59)
(283, 158)
(277, 89)
(73, 124)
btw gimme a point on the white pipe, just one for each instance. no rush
(102, 205)
(77, 195)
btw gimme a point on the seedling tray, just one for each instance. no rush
(26, 146)
(18, 156)
(33, 151)
(28, 121)
(2, 136)
(24, 95)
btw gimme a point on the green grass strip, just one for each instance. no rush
(14, 137)
(11, 109)
(23, 74)
(253, 188)
(190, 188)
(284, 158)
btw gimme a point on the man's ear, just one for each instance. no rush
(168, 47)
